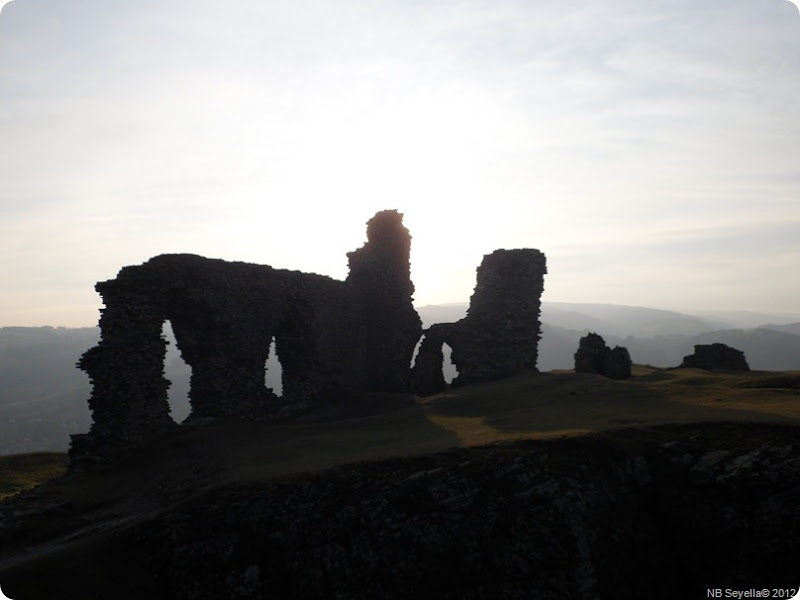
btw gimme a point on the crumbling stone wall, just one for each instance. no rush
(594, 356)
(427, 374)
(330, 336)
(380, 276)
(500, 334)
(716, 357)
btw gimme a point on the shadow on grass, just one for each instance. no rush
(200, 457)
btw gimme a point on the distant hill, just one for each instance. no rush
(43, 396)
(637, 321)
(746, 319)
(788, 328)
(625, 320)
(442, 313)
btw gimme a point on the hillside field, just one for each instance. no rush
(639, 464)
(375, 426)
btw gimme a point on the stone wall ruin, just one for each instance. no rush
(500, 334)
(715, 357)
(331, 337)
(594, 356)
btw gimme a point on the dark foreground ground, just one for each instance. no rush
(635, 510)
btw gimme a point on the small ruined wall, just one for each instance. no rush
(330, 336)
(500, 334)
(716, 357)
(594, 356)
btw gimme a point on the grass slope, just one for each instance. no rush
(77, 515)
(562, 403)
(370, 427)
(20, 472)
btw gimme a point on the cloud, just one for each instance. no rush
(265, 131)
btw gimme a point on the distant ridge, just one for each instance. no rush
(640, 321)
(793, 328)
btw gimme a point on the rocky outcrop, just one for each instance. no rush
(500, 334)
(715, 357)
(331, 337)
(594, 356)
(665, 513)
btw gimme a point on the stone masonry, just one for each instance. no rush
(593, 356)
(500, 334)
(331, 337)
(716, 357)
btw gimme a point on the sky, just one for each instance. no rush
(650, 148)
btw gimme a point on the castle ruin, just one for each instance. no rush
(500, 334)
(332, 337)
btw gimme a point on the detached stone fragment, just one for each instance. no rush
(594, 356)
(715, 357)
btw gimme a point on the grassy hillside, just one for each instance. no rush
(565, 403)
(20, 472)
(102, 529)
(528, 406)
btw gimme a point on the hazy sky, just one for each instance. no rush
(650, 148)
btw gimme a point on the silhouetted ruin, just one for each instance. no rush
(716, 357)
(500, 334)
(331, 337)
(593, 356)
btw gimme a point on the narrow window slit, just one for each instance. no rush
(179, 374)
(273, 371)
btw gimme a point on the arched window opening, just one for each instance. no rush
(416, 351)
(178, 373)
(449, 370)
(273, 371)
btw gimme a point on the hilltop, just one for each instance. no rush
(422, 493)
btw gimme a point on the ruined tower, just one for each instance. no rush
(381, 277)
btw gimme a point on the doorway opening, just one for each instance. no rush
(449, 370)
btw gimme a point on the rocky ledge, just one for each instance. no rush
(667, 512)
